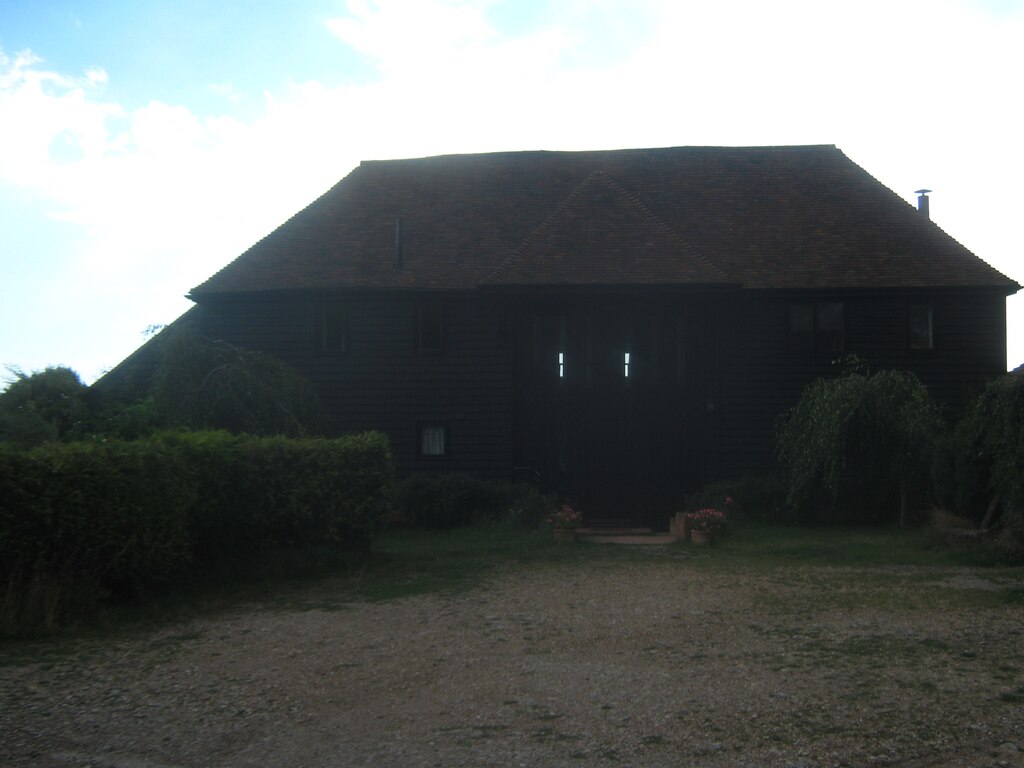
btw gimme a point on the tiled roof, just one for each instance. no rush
(760, 217)
(625, 244)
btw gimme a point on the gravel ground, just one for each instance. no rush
(641, 663)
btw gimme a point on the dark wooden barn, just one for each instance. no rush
(625, 325)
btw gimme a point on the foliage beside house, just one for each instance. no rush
(84, 521)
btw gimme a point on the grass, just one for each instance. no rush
(408, 562)
(760, 545)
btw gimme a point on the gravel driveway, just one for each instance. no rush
(643, 663)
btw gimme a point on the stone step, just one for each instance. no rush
(623, 536)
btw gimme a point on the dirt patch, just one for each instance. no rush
(628, 664)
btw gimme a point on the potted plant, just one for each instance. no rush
(564, 521)
(704, 523)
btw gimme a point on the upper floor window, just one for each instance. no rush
(332, 328)
(820, 326)
(430, 330)
(921, 330)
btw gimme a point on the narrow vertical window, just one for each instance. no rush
(921, 333)
(625, 365)
(331, 328)
(430, 330)
(830, 326)
(801, 327)
(561, 365)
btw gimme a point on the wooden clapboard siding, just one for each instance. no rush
(712, 373)
(759, 377)
(381, 381)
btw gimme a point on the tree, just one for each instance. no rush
(986, 459)
(43, 406)
(204, 384)
(860, 445)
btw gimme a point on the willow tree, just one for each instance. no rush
(860, 446)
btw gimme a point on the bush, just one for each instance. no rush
(962, 468)
(82, 522)
(859, 448)
(529, 506)
(85, 521)
(258, 494)
(443, 502)
(987, 458)
(203, 384)
(446, 501)
(759, 498)
(43, 406)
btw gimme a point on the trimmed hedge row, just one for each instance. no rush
(80, 522)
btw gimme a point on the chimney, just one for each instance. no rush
(922, 202)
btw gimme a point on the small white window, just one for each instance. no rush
(433, 440)
(625, 366)
(561, 365)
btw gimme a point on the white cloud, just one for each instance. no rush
(919, 94)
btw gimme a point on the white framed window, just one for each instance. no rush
(433, 439)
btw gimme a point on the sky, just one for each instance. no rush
(144, 145)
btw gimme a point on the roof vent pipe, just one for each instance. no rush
(398, 241)
(922, 202)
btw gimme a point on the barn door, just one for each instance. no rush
(600, 413)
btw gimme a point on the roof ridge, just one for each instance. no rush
(632, 198)
(636, 200)
(621, 150)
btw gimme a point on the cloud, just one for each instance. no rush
(919, 94)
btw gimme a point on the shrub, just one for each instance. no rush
(529, 507)
(446, 501)
(443, 502)
(761, 498)
(996, 450)
(81, 522)
(204, 384)
(858, 448)
(962, 467)
(43, 406)
(259, 494)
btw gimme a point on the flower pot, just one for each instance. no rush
(702, 538)
(564, 534)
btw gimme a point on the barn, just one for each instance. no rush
(622, 326)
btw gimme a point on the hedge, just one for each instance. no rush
(81, 522)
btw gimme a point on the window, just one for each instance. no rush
(817, 327)
(829, 326)
(331, 328)
(801, 326)
(561, 365)
(921, 332)
(625, 365)
(430, 330)
(433, 439)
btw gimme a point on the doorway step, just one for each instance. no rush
(623, 535)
